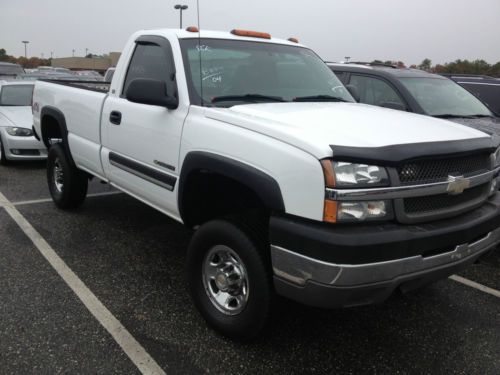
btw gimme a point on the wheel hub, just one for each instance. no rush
(58, 176)
(225, 280)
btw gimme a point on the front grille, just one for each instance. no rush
(440, 202)
(430, 171)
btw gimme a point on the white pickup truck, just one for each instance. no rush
(290, 186)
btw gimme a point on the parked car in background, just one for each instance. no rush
(90, 75)
(16, 121)
(416, 91)
(9, 70)
(109, 74)
(486, 88)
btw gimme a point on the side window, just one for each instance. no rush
(341, 75)
(150, 61)
(374, 91)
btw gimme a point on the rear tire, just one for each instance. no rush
(3, 157)
(67, 184)
(223, 253)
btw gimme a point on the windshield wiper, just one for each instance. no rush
(449, 115)
(247, 98)
(320, 98)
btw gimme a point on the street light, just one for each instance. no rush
(180, 8)
(25, 48)
(73, 53)
(347, 58)
(51, 54)
(86, 52)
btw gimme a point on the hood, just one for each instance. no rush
(489, 125)
(313, 127)
(18, 116)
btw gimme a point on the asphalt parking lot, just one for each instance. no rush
(131, 258)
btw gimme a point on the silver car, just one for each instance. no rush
(17, 141)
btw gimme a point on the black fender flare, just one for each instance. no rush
(61, 122)
(265, 186)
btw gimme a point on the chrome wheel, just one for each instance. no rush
(58, 176)
(225, 280)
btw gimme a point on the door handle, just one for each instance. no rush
(115, 117)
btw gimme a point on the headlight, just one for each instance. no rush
(359, 175)
(357, 211)
(362, 211)
(496, 157)
(19, 132)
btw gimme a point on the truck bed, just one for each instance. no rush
(102, 87)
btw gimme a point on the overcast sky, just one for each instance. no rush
(442, 30)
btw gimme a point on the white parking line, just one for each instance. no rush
(45, 200)
(137, 354)
(473, 284)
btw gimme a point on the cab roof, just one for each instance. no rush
(184, 34)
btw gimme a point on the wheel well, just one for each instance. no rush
(209, 195)
(51, 129)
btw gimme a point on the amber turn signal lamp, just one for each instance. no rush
(252, 34)
(328, 173)
(192, 29)
(330, 211)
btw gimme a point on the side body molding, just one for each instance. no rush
(266, 187)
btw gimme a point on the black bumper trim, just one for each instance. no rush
(359, 244)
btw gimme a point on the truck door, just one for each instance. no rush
(141, 141)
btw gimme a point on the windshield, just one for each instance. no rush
(443, 97)
(236, 72)
(16, 95)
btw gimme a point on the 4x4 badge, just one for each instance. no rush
(457, 184)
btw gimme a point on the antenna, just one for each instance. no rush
(199, 50)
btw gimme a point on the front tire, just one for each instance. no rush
(67, 184)
(229, 278)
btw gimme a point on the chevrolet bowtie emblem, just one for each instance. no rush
(457, 184)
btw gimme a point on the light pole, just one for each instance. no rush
(51, 54)
(347, 58)
(180, 8)
(73, 53)
(26, 48)
(86, 52)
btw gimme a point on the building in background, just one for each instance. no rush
(97, 63)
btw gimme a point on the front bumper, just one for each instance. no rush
(22, 148)
(426, 253)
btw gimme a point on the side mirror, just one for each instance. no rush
(152, 92)
(393, 105)
(354, 92)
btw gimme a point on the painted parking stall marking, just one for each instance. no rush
(473, 284)
(137, 354)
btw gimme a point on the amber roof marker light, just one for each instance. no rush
(251, 34)
(192, 29)
(293, 40)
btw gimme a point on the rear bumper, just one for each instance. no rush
(22, 148)
(371, 278)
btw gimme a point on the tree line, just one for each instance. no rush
(459, 66)
(476, 67)
(29, 63)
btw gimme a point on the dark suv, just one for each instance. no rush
(416, 91)
(486, 88)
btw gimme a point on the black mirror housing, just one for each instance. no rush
(150, 91)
